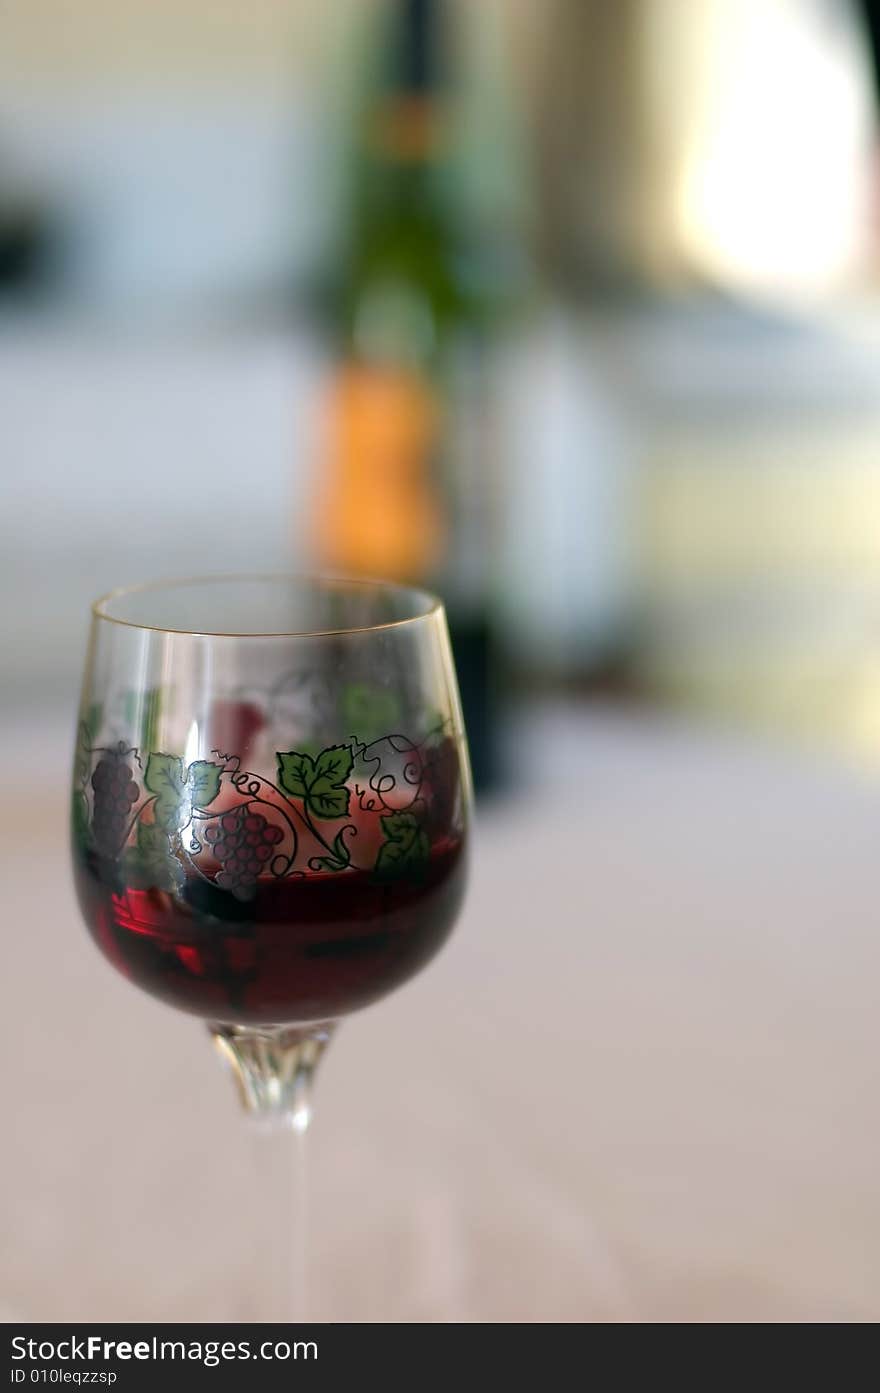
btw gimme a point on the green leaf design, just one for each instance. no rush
(326, 800)
(176, 794)
(405, 850)
(150, 863)
(340, 846)
(320, 782)
(334, 764)
(296, 772)
(87, 734)
(92, 721)
(403, 828)
(203, 782)
(340, 861)
(164, 778)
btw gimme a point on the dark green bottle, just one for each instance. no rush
(406, 487)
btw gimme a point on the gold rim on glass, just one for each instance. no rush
(430, 605)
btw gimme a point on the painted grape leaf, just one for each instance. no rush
(338, 862)
(150, 864)
(326, 800)
(334, 764)
(320, 782)
(87, 734)
(341, 848)
(406, 848)
(164, 778)
(295, 772)
(403, 829)
(92, 721)
(203, 782)
(176, 794)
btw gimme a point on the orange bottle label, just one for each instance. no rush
(377, 509)
(409, 130)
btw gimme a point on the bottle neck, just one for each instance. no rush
(407, 127)
(416, 47)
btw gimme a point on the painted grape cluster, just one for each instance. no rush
(242, 841)
(115, 793)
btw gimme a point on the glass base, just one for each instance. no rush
(273, 1067)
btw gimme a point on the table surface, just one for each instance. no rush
(640, 1082)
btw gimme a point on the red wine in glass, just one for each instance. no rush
(299, 950)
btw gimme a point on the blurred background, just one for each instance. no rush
(569, 311)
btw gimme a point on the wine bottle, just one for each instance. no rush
(405, 485)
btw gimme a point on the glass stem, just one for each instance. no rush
(273, 1068)
(279, 1291)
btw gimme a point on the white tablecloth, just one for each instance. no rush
(640, 1083)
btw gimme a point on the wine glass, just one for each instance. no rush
(270, 812)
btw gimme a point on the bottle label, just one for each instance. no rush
(377, 510)
(409, 129)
